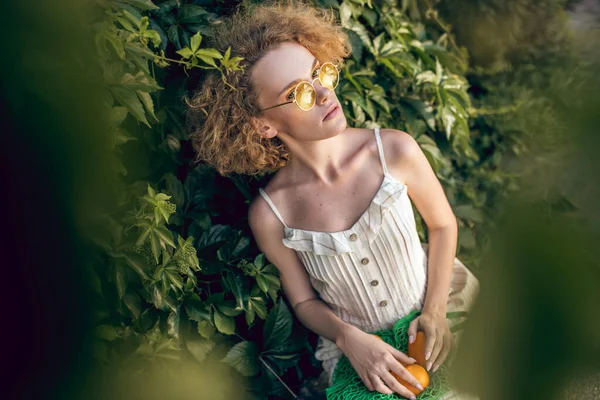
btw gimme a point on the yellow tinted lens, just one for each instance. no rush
(305, 95)
(328, 76)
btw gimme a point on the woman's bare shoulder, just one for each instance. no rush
(397, 145)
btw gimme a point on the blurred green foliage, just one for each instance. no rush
(174, 270)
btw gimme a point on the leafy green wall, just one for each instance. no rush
(175, 271)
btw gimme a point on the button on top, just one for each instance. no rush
(364, 261)
(353, 237)
(383, 303)
(375, 282)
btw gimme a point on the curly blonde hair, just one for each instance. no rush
(219, 118)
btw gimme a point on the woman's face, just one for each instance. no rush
(272, 76)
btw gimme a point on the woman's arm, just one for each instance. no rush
(440, 262)
(427, 194)
(310, 310)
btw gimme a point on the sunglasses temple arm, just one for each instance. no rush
(278, 105)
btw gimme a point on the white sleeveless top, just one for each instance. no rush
(372, 274)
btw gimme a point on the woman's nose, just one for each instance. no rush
(322, 92)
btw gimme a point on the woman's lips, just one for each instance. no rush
(332, 114)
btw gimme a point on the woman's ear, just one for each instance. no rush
(265, 129)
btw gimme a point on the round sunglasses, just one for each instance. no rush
(305, 93)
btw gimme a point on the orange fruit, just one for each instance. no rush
(416, 349)
(415, 369)
(418, 372)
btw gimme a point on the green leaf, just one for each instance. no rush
(270, 269)
(427, 76)
(238, 284)
(155, 246)
(362, 33)
(370, 16)
(121, 135)
(206, 59)
(377, 43)
(206, 329)
(264, 286)
(345, 14)
(432, 152)
(154, 37)
(260, 308)
(195, 41)
(250, 315)
(165, 235)
(448, 119)
(120, 279)
(186, 52)
(175, 189)
(243, 357)
(357, 46)
(177, 36)
(164, 209)
(116, 43)
(272, 280)
(196, 309)
(148, 104)
(133, 304)
(143, 236)
(200, 348)
(392, 47)
(117, 115)
(172, 273)
(229, 310)
(278, 326)
(173, 322)
(130, 100)
(191, 14)
(138, 82)
(224, 323)
(259, 260)
(273, 294)
(138, 263)
(425, 110)
(125, 24)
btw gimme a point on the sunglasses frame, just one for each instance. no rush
(311, 84)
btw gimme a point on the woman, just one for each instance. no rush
(336, 218)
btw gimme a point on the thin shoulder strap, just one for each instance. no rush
(380, 148)
(266, 197)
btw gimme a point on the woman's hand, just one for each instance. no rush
(438, 337)
(373, 359)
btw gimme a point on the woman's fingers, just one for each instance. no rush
(403, 373)
(396, 386)
(437, 349)
(367, 381)
(378, 384)
(400, 356)
(430, 341)
(412, 329)
(448, 344)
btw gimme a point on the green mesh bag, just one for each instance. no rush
(346, 384)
